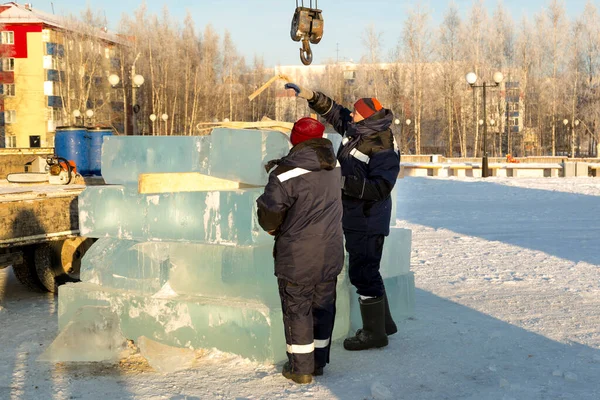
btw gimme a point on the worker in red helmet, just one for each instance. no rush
(302, 207)
(370, 163)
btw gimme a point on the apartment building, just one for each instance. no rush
(34, 90)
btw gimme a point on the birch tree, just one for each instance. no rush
(416, 38)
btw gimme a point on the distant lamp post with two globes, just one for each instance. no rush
(136, 81)
(471, 80)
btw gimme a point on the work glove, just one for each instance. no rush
(269, 166)
(300, 91)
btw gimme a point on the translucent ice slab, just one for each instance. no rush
(241, 154)
(335, 138)
(125, 157)
(92, 334)
(191, 269)
(126, 264)
(163, 358)
(394, 196)
(395, 259)
(208, 217)
(400, 292)
(247, 328)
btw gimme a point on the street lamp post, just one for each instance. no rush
(566, 133)
(578, 144)
(136, 81)
(165, 117)
(89, 114)
(471, 79)
(492, 123)
(407, 122)
(76, 115)
(153, 119)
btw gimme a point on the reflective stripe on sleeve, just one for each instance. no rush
(300, 348)
(360, 156)
(292, 174)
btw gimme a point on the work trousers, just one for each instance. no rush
(308, 316)
(364, 253)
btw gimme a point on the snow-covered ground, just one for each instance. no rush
(508, 307)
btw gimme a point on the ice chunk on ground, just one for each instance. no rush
(381, 392)
(163, 358)
(93, 334)
(570, 376)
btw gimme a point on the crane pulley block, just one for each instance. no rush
(307, 26)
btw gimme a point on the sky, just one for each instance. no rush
(262, 27)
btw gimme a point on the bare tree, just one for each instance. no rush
(416, 38)
(552, 36)
(449, 54)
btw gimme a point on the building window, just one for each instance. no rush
(513, 107)
(10, 116)
(11, 141)
(8, 37)
(8, 89)
(54, 114)
(55, 101)
(8, 64)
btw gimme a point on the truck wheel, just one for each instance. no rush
(26, 272)
(45, 266)
(57, 263)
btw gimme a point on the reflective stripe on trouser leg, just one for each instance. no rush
(296, 304)
(323, 317)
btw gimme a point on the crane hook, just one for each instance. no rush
(306, 55)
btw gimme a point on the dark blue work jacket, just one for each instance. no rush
(370, 162)
(302, 208)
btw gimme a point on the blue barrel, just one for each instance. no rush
(96, 139)
(72, 143)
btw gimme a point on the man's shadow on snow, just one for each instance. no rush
(565, 225)
(450, 351)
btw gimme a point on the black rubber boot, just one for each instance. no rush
(390, 325)
(318, 371)
(372, 335)
(298, 378)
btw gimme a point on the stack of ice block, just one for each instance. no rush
(194, 269)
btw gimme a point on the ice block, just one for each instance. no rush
(126, 264)
(191, 269)
(248, 328)
(92, 335)
(394, 194)
(395, 259)
(335, 138)
(163, 358)
(206, 217)
(241, 154)
(125, 157)
(400, 292)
